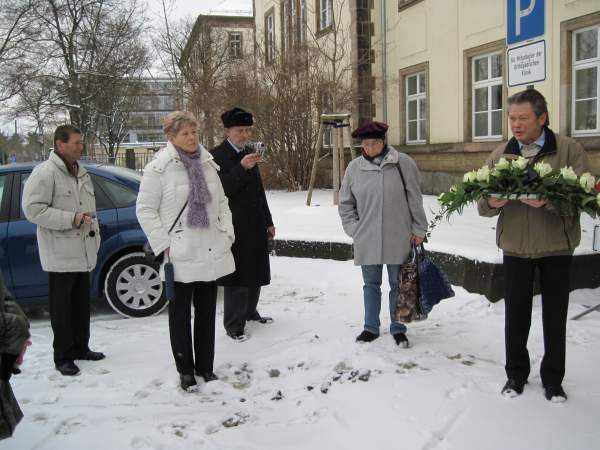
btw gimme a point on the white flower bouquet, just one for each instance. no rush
(516, 179)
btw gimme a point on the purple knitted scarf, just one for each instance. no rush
(199, 195)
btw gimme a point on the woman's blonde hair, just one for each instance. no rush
(176, 120)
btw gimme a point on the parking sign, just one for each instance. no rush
(524, 20)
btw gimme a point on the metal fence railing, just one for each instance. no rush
(129, 159)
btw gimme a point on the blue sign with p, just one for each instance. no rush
(524, 20)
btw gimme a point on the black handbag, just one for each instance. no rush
(433, 282)
(149, 253)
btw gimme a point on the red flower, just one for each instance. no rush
(598, 185)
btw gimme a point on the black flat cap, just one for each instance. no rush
(237, 117)
(371, 130)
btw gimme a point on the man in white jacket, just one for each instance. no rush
(59, 198)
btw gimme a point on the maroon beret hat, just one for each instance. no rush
(237, 117)
(371, 130)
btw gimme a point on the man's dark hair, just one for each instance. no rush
(64, 132)
(535, 99)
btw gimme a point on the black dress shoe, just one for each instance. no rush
(261, 319)
(186, 381)
(67, 368)
(91, 356)
(239, 337)
(513, 388)
(366, 336)
(208, 376)
(401, 340)
(555, 393)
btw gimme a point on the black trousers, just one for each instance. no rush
(69, 301)
(239, 306)
(555, 278)
(204, 297)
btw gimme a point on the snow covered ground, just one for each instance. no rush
(441, 394)
(466, 235)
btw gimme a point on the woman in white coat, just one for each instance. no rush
(199, 246)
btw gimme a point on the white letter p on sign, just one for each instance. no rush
(520, 13)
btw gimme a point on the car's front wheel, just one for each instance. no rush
(133, 287)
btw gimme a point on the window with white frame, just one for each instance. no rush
(325, 14)
(586, 78)
(416, 108)
(235, 45)
(302, 22)
(487, 96)
(285, 23)
(270, 37)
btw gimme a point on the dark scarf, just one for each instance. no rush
(372, 159)
(199, 195)
(72, 168)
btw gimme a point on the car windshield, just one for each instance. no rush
(123, 172)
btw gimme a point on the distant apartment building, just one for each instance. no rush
(156, 98)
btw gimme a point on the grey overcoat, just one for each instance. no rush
(377, 213)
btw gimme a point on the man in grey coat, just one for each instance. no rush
(381, 208)
(59, 198)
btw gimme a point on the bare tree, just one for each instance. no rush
(114, 113)
(16, 36)
(89, 45)
(37, 99)
(198, 54)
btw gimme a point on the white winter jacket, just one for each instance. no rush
(197, 254)
(51, 198)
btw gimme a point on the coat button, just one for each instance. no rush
(92, 233)
(210, 249)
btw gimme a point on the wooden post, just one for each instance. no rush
(313, 172)
(342, 156)
(351, 144)
(336, 169)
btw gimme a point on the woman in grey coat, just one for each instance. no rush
(381, 208)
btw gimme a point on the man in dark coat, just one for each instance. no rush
(14, 339)
(252, 223)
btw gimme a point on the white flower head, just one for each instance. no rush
(542, 168)
(519, 163)
(453, 188)
(470, 177)
(587, 182)
(568, 173)
(502, 164)
(598, 199)
(483, 174)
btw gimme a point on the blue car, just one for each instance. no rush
(130, 284)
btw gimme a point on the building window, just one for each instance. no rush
(270, 37)
(586, 78)
(416, 108)
(487, 96)
(235, 45)
(285, 24)
(325, 14)
(301, 29)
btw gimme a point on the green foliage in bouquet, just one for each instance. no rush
(562, 189)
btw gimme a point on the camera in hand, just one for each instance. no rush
(259, 148)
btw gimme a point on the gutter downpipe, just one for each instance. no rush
(383, 61)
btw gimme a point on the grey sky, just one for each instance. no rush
(184, 8)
